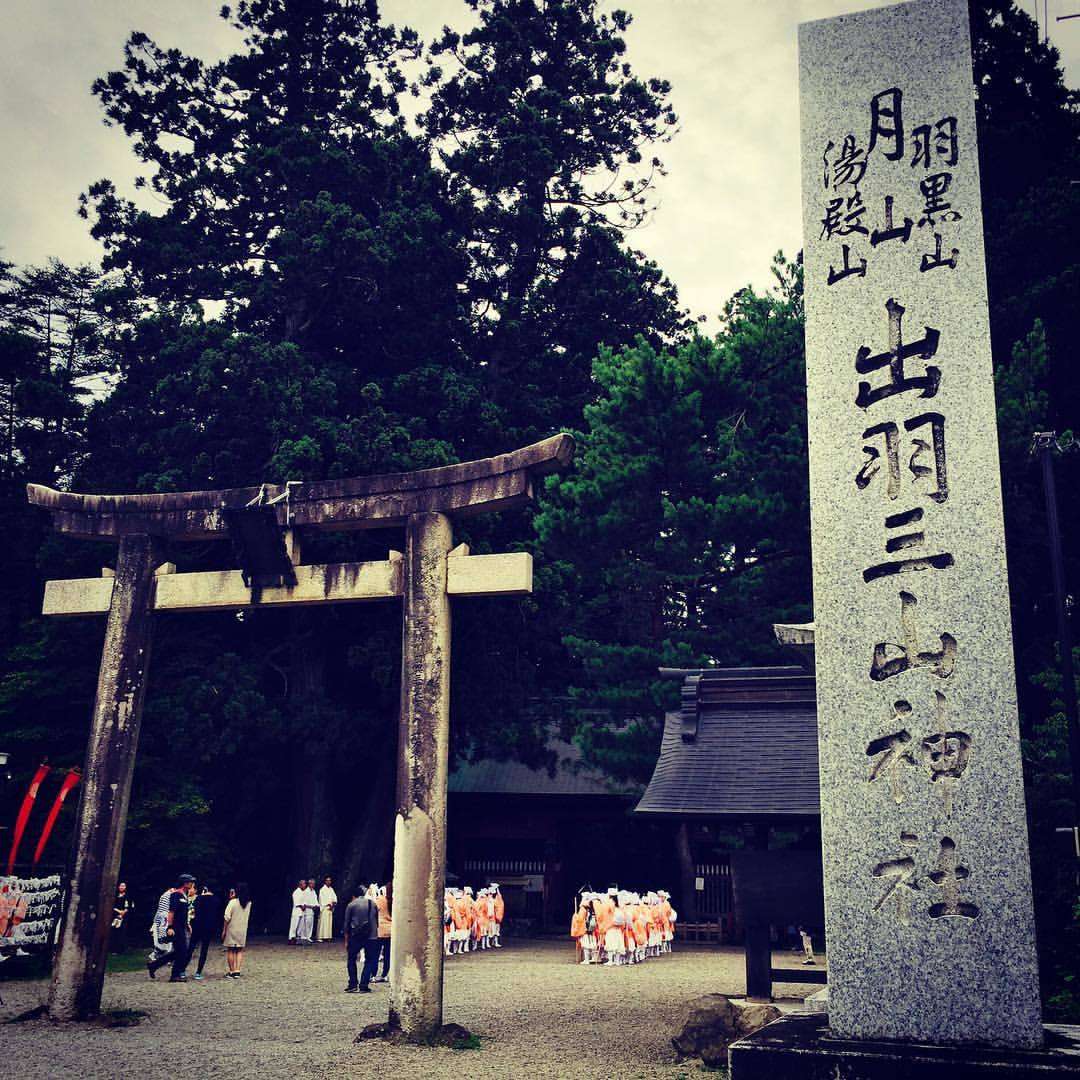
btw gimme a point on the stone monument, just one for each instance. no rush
(929, 922)
(927, 882)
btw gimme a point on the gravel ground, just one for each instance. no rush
(537, 1015)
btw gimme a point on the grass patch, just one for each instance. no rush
(131, 960)
(470, 1042)
(21, 968)
(28, 968)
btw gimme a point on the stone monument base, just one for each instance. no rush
(801, 1048)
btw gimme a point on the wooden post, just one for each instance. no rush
(758, 963)
(79, 969)
(687, 873)
(416, 952)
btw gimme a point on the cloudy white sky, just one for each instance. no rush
(730, 201)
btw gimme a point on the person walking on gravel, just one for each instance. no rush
(361, 934)
(382, 902)
(176, 931)
(122, 907)
(297, 919)
(205, 925)
(311, 904)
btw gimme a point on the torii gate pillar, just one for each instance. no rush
(416, 949)
(79, 967)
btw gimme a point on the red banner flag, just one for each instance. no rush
(70, 781)
(24, 813)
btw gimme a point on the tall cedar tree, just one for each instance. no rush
(1029, 131)
(549, 137)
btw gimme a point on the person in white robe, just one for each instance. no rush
(297, 917)
(310, 903)
(327, 903)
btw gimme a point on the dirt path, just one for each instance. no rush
(537, 1015)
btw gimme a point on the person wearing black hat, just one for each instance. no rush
(177, 932)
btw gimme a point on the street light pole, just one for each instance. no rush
(1044, 444)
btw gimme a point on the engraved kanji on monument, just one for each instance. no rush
(927, 879)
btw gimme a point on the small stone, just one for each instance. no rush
(713, 1022)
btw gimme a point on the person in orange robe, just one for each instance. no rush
(500, 911)
(627, 911)
(615, 939)
(594, 941)
(605, 919)
(470, 907)
(480, 920)
(641, 929)
(577, 931)
(461, 924)
(667, 914)
(489, 917)
(655, 936)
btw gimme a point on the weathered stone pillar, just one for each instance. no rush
(416, 956)
(79, 969)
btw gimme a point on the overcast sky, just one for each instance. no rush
(730, 201)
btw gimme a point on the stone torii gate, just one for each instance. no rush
(266, 526)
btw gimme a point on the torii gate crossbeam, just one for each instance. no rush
(266, 525)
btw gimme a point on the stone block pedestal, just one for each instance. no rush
(801, 1048)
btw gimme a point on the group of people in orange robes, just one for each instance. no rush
(472, 922)
(621, 927)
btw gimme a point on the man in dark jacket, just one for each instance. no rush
(361, 932)
(206, 926)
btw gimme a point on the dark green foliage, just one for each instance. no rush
(350, 285)
(1029, 152)
(1029, 134)
(683, 532)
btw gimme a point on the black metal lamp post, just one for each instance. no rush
(1044, 444)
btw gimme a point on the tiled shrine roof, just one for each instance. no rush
(743, 745)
